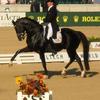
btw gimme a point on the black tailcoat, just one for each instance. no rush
(51, 18)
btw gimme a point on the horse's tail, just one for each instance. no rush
(85, 43)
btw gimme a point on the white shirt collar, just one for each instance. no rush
(50, 7)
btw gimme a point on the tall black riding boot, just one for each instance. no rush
(52, 46)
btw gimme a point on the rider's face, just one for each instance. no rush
(49, 4)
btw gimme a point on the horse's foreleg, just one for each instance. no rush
(26, 49)
(14, 56)
(42, 57)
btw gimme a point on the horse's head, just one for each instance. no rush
(26, 25)
(32, 29)
(20, 29)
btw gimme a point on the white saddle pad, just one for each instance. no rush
(50, 33)
(59, 38)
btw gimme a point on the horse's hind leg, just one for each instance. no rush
(72, 58)
(65, 69)
(80, 64)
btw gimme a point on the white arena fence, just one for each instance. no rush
(34, 57)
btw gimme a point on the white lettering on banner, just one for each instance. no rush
(92, 55)
(34, 57)
(58, 57)
(6, 18)
(95, 44)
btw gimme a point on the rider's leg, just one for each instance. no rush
(52, 46)
(50, 31)
(50, 34)
(49, 37)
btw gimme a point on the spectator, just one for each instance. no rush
(12, 1)
(4, 1)
(44, 5)
(89, 1)
(7, 1)
(83, 1)
(35, 6)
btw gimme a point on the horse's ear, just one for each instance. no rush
(13, 22)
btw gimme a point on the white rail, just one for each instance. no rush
(34, 57)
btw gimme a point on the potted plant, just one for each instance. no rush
(33, 89)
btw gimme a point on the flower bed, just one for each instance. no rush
(33, 89)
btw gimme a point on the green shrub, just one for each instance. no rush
(94, 39)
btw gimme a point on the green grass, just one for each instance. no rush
(94, 39)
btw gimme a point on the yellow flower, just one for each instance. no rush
(18, 80)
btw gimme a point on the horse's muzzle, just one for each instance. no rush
(21, 36)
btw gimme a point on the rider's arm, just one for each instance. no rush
(51, 15)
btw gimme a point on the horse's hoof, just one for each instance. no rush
(83, 74)
(45, 77)
(63, 73)
(64, 76)
(10, 63)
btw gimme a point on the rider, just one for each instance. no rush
(50, 19)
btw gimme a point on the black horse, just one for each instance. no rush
(36, 42)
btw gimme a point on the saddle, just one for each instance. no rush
(58, 36)
(58, 39)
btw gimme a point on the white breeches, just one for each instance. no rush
(50, 31)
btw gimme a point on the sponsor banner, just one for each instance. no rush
(7, 17)
(95, 44)
(63, 18)
(65, 58)
(36, 16)
(93, 56)
(59, 57)
(71, 18)
(34, 57)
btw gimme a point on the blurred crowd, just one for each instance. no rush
(7, 1)
(40, 1)
(41, 6)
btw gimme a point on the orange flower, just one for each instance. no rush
(35, 86)
(35, 92)
(40, 75)
(41, 82)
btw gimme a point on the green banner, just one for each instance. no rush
(71, 18)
